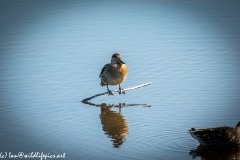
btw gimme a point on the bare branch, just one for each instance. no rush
(127, 89)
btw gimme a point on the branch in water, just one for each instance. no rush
(127, 89)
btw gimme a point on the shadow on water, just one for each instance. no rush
(211, 153)
(114, 124)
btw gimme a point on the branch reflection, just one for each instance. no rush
(210, 153)
(114, 124)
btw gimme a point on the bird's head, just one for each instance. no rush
(116, 59)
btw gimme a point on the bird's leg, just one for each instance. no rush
(121, 91)
(110, 92)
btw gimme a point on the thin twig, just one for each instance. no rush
(127, 89)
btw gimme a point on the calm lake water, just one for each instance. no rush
(52, 53)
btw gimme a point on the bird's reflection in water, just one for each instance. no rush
(211, 153)
(114, 123)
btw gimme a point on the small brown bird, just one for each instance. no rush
(224, 137)
(114, 73)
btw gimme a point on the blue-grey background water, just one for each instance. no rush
(53, 51)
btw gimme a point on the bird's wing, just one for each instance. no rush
(104, 68)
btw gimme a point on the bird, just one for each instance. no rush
(114, 73)
(221, 137)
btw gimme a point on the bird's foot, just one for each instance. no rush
(121, 91)
(110, 93)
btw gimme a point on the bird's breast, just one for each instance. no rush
(123, 70)
(119, 75)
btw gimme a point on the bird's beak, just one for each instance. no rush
(120, 61)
